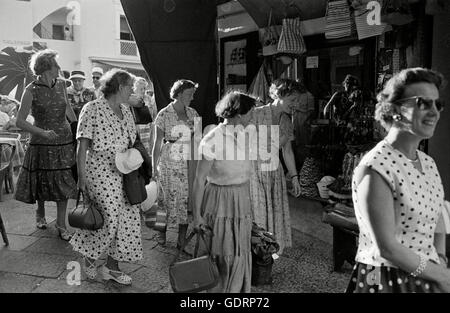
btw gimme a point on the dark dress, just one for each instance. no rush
(46, 172)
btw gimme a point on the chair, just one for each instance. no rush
(6, 154)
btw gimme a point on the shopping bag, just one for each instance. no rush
(156, 216)
(194, 275)
(85, 216)
(291, 39)
(270, 36)
(338, 20)
(259, 88)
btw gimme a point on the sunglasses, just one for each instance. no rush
(95, 77)
(424, 104)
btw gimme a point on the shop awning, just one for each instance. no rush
(305, 9)
(118, 63)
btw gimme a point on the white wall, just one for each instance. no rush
(15, 36)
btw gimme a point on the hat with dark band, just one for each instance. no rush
(77, 74)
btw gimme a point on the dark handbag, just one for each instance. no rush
(194, 275)
(142, 115)
(134, 182)
(85, 216)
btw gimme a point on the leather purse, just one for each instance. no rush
(85, 216)
(194, 275)
(134, 182)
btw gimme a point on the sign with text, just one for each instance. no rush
(312, 62)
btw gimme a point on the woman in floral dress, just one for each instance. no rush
(268, 184)
(172, 155)
(46, 173)
(106, 127)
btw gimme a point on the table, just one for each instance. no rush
(14, 139)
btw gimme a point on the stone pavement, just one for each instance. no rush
(36, 260)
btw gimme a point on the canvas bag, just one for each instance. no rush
(291, 39)
(338, 20)
(270, 36)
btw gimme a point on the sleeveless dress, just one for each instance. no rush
(46, 171)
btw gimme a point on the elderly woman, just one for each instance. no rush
(224, 203)
(398, 194)
(46, 173)
(174, 129)
(106, 127)
(268, 184)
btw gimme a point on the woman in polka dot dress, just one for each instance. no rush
(106, 127)
(398, 194)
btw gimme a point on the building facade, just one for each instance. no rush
(85, 33)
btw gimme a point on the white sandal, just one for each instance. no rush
(123, 278)
(89, 268)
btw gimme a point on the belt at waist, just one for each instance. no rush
(169, 140)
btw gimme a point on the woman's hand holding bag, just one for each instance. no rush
(85, 216)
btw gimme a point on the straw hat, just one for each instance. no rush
(77, 74)
(129, 160)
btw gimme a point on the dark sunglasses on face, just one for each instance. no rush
(95, 77)
(423, 104)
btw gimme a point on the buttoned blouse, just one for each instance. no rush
(107, 131)
(418, 202)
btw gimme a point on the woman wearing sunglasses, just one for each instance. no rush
(398, 194)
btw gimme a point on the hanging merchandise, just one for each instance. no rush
(291, 39)
(338, 20)
(310, 175)
(366, 30)
(259, 87)
(396, 12)
(270, 36)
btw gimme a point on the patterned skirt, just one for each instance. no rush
(373, 279)
(46, 174)
(270, 204)
(226, 209)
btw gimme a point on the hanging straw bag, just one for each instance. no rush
(338, 20)
(291, 39)
(259, 87)
(197, 274)
(270, 36)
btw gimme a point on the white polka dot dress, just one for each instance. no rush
(418, 201)
(120, 236)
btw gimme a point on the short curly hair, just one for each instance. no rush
(181, 85)
(284, 87)
(42, 61)
(234, 103)
(113, 79)
(395, 88)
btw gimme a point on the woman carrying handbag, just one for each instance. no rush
(223, 203)
(105, 129)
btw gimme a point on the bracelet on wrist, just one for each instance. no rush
(293, 176)
(422, 264)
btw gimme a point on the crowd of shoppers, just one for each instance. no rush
(397, 191)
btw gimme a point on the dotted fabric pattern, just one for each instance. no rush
(418, 202)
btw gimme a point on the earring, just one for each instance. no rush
(397, 117)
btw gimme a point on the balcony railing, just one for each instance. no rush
(128, 48)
